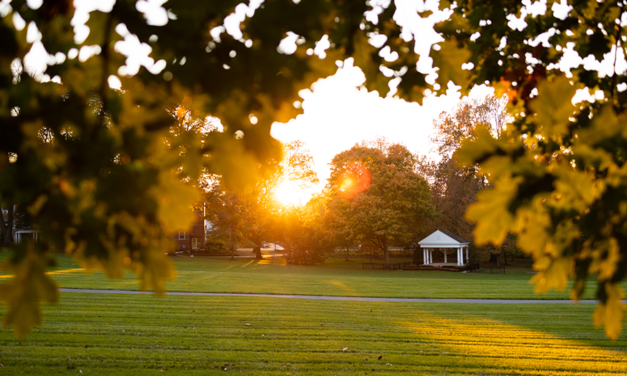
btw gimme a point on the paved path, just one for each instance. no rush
(344, 298)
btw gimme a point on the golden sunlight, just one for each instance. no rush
(290, 193)
(355, 179)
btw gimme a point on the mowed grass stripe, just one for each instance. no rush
(148, 334)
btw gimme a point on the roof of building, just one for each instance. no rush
(443, 239)
(454, 236)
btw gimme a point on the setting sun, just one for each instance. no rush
(290, 193)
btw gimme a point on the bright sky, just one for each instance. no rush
(338, 114)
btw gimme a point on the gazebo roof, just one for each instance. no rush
(443, 239)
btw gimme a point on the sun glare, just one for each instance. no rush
(289, 193)
(355, 179)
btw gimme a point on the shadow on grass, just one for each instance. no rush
(520, 339)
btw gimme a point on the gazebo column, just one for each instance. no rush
(445, 252)
(424, 256)
(430, 256)
(467, 259)
(460, 256)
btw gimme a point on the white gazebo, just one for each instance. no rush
(444, 240)
(22, 235)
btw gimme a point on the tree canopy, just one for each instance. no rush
(558, 169)
(253, 213)
(376, 196)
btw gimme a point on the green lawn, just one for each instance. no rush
(111, 334)
(335, 277)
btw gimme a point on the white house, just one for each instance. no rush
(444, 240)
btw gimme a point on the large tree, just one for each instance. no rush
(453, 189)
(224, 209)
(462, 122)
(255, 211)
(376, 196)
(302, 234)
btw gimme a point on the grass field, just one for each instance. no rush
(117, 334)
(111, 334)
(335, 277)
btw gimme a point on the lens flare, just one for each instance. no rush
(353, 180)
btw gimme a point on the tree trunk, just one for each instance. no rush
(3, 227)
(7, 230)
(257, 251)
(494, 258)
(505, 257)
(386, 252)
(231, 243)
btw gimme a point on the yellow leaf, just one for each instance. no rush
(611, 314)
(608, 266)
(363, 54)
(555, 276)
(542, 263)
(533, 223)
(175, 200)
(605, 125)
(472, 150)
(575, 189)
(553, 106)
(156, 270)
(491, 213)
(24, 292)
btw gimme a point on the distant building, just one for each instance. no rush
(19, 233)
(24, 234)
(194, 239)
(443, 240)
